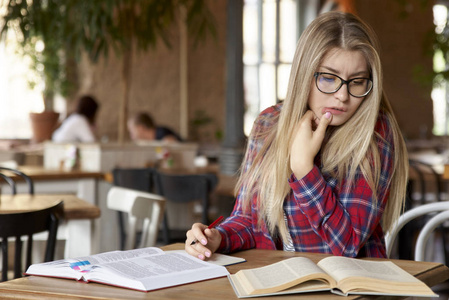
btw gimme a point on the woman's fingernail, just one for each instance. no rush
(201, 256)
(203, 241)
(327, 115)
(207, 254)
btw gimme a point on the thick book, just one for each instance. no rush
(337, 274)
(143, 269)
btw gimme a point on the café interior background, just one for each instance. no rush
(403, 28)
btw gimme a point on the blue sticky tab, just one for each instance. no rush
(80, 265)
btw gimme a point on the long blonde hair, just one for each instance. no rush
(351, 147)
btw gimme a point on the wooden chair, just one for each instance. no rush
(425, 186)
(12, 183)
(142, 207)
(141, 179)
(185, 189)
(426, 231)
(18, 225)
(431, 223)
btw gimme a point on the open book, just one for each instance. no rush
(340, 275)
(140, 269)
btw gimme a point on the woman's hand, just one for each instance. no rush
(307, 141)
(207, 241)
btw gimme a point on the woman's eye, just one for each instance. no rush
(358, 82)
(328, 78)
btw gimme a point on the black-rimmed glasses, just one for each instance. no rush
(330, 83)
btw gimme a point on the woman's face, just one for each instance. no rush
(342, 105)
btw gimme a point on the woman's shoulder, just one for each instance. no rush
(383, 127)
(273, 110)
(266, 120)
(269, 115)
(74, 117)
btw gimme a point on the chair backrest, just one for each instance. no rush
(426, 231)
(423, 171)
(187, 188)
(140, 179)
(11, 182)
(410, 215)
(140, 206)
(26, 224)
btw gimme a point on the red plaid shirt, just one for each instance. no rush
(322, 216)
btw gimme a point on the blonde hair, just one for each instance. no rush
(352, 146)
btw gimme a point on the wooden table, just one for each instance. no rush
(74, 207)
(39, 173)
(34, 287)
(446, 172)
(84, 184)
(78, 215)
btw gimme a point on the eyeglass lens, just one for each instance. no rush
(329, 83)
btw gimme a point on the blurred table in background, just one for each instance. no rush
(103, 157)
(91, 177)
(81, 183)
(446, 172)
(78, 216)
(76, 183)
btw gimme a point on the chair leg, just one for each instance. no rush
(405, 236)
(4, 259)
(132, 228)
(166, 230)
(122, 231)
(444, 240)
(143, 242)
(52, 239)
(29, 248)
(18, 258)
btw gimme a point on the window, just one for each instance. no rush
(269, 42)
(440, 95)
(18, 98)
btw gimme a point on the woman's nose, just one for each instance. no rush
(342, 94)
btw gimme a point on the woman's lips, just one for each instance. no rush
(333, 111)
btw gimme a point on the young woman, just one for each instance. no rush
(80, 125)
(326, 170)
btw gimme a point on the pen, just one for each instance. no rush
(212, 225)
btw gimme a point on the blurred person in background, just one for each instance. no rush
(141, 126)
(79, 126)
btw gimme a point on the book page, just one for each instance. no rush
(155, 271)
(342, 267)
(280, 276)
(224, 260)
(112, 256)
(76, 267)
(308, 286)
(217, 258)
(58, 268)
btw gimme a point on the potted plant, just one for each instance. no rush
(69, 28)
(49, 68)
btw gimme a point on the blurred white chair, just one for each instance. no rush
(141, 207)
(426, 231)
